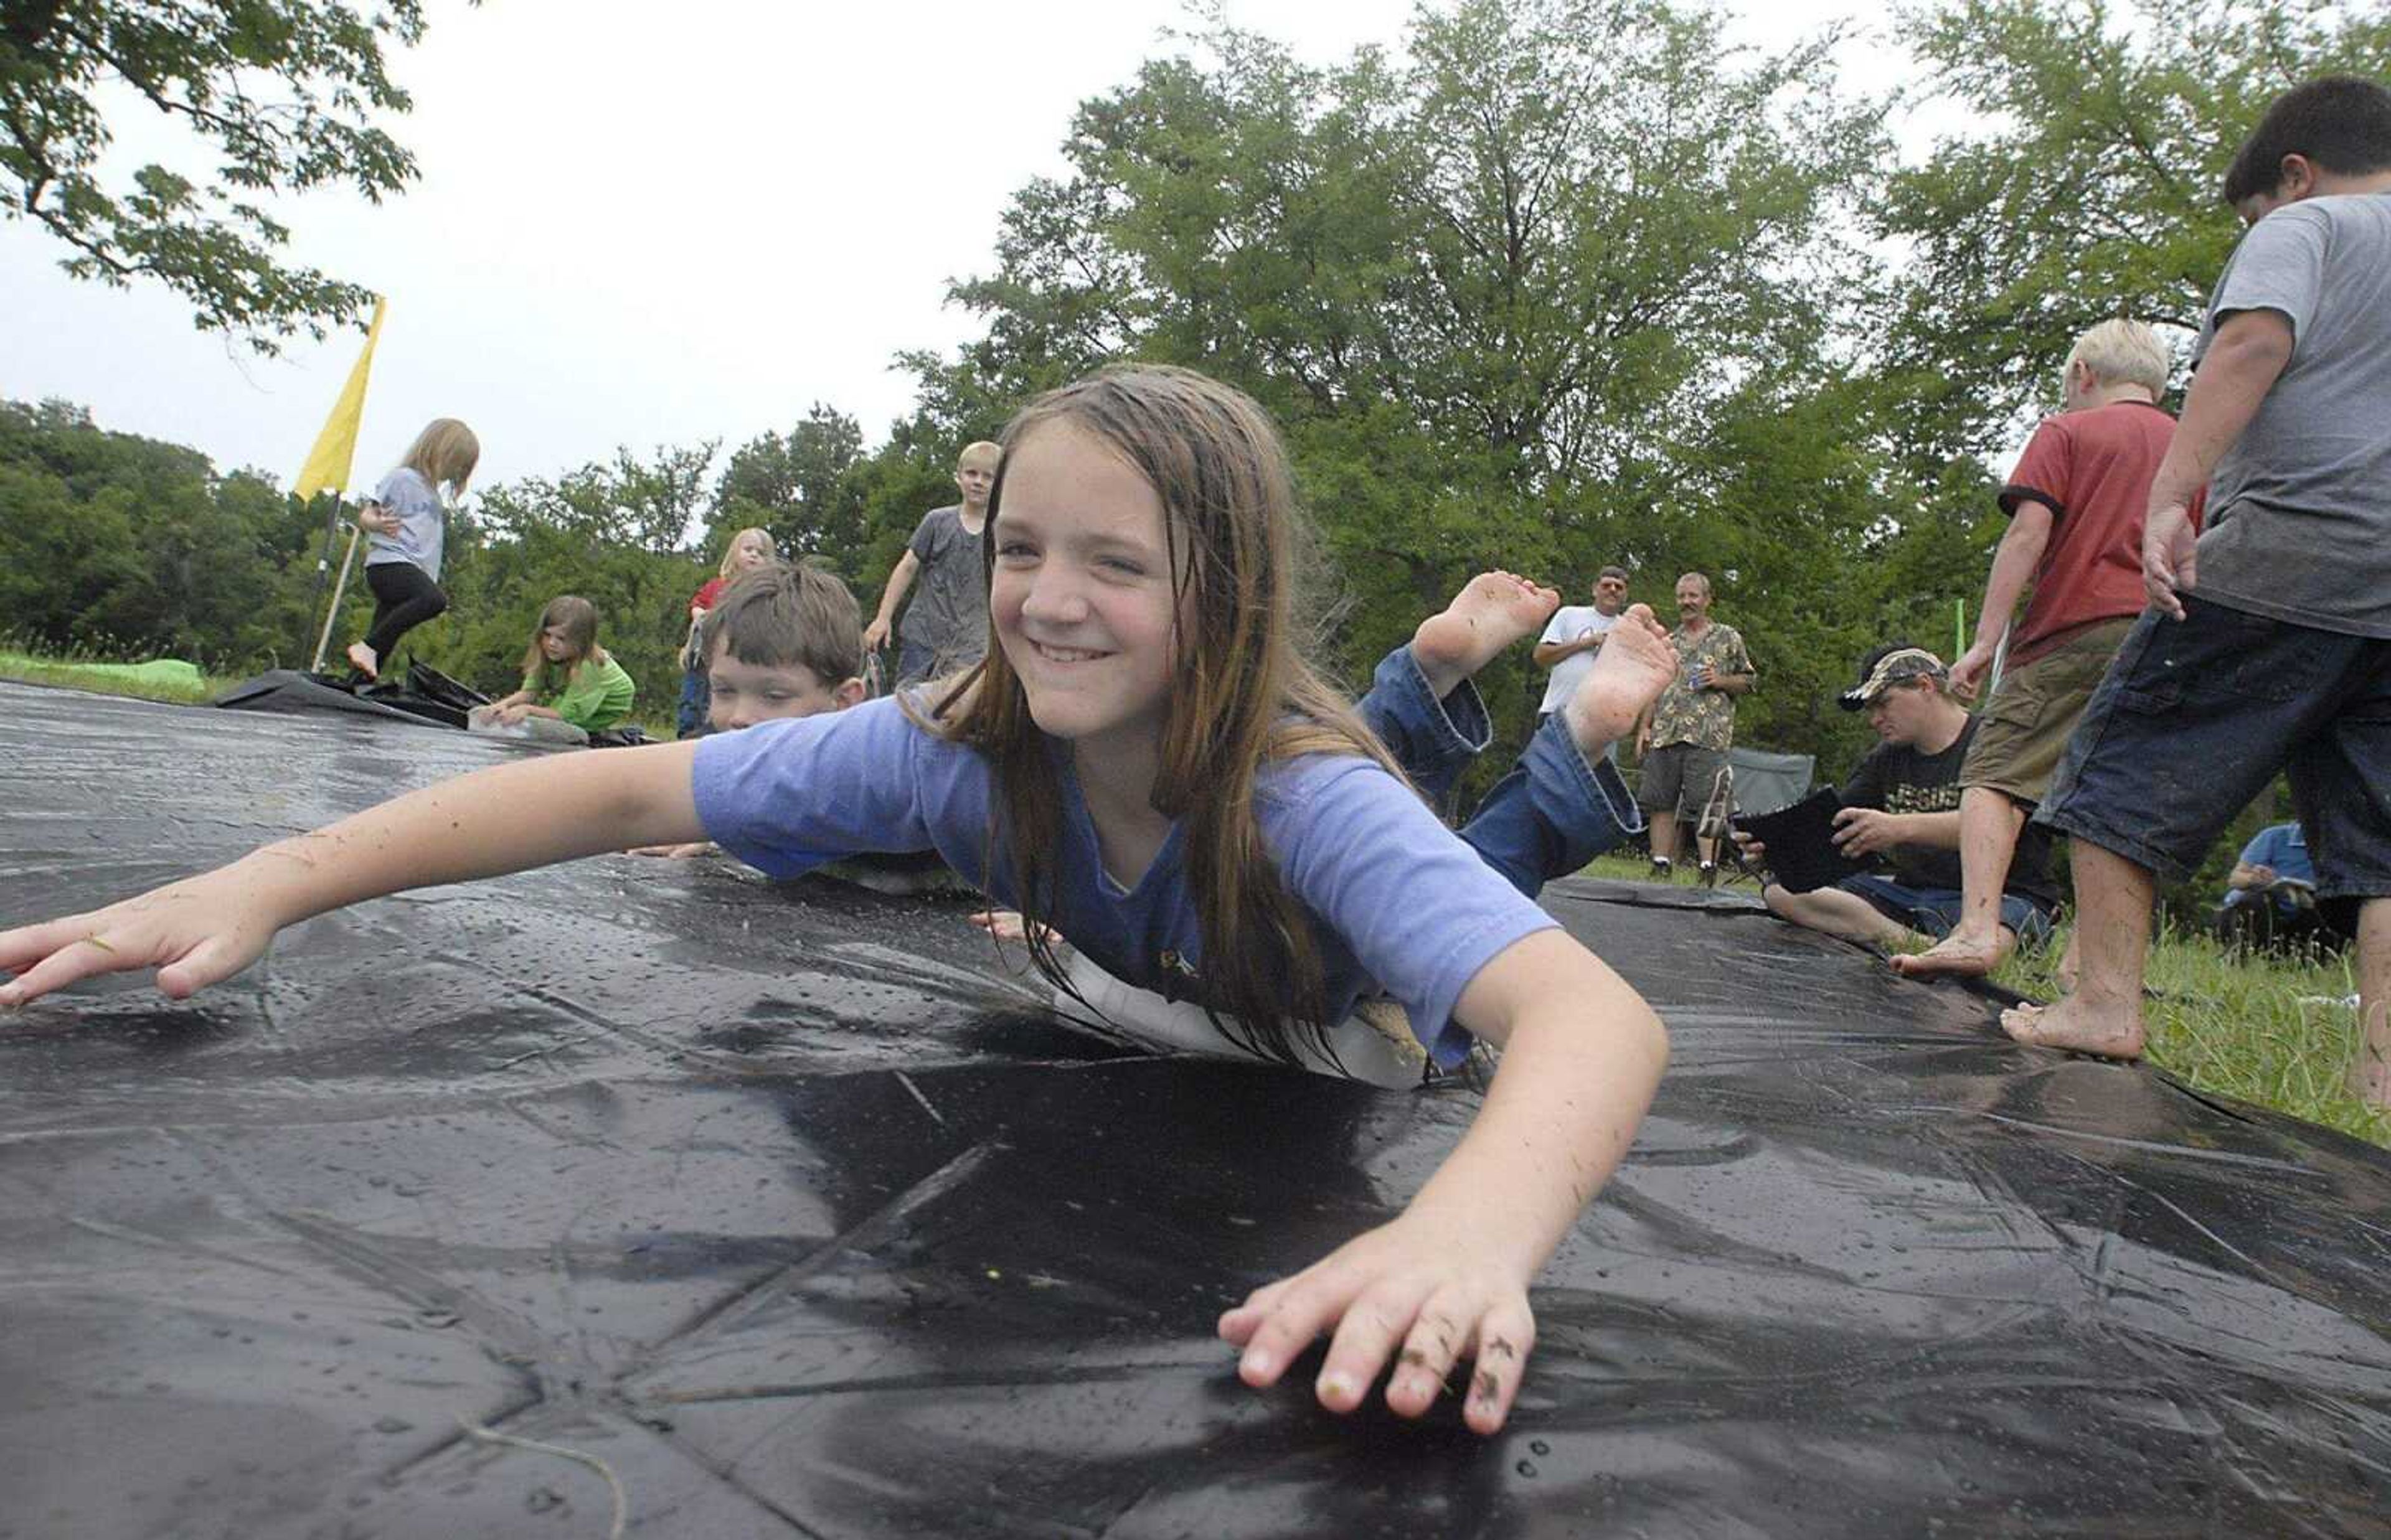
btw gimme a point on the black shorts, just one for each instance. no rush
(2196, 716)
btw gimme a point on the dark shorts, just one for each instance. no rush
(2028, 721)
(2197, 716)
(1934, 911)
(1677, 777)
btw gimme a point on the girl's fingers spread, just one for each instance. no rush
(77, 958)
(1365, 1340)
(1301, 1312)
(1506, 1334)
(21, 948)
(1429, 1352)
(213, 961)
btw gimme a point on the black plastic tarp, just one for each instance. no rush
(796, 1211)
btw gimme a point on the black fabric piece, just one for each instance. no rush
(1801, 843)
(405, 596)
(806, 1216)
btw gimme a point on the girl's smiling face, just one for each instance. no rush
(1082, 596)
(555, 644)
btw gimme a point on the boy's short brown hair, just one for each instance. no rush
(783, 614)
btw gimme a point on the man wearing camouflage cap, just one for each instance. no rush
(1901, 811)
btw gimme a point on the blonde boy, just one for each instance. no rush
(945, 626)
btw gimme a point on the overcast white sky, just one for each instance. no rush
(642, 225)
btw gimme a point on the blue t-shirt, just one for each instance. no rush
(2281, 846)
(423, 524)
(1398, 902)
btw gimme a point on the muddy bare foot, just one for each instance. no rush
(1958, 955)
(362, 658)
(2069, 1024)
(1490, 613)
(1633, 666)
(2370, 1078)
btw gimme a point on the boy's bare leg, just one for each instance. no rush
(2369, 1079)
(1492, 611)
(1838, 913)
(1634, 665)
(1989, 823)
(2103, 1013)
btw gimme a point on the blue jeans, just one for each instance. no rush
(696, 700)
(1547, 818)
(1935, 911)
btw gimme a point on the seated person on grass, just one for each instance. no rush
(567, 677)
(2270, 897)
(781, 640)
(1903, 805)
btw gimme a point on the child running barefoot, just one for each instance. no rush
(1143, 764)
(567, 677)
(409, 525)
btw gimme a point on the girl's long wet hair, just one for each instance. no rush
(577, 617)
(1240, 695)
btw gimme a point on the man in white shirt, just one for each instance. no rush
(1573, 634)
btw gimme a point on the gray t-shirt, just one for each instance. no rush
(423, 524)
(947, 611)
(2299, 511)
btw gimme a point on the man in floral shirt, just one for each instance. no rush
(1684, 742)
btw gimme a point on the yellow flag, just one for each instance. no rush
(328, 463)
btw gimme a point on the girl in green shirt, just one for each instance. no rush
(566, 674)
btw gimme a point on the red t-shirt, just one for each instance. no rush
(2093, 470)
(707, 595)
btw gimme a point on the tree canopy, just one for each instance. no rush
(284, 95)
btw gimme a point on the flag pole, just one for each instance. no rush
(339, 588)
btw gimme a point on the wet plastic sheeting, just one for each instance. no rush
(806, 1219)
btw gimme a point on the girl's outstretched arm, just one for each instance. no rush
(1448, 1279)
(504, 819)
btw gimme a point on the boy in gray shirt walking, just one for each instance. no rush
(2268, 642)
(945, 626)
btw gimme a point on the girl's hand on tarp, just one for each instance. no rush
(193, 933)
(1406, 1293)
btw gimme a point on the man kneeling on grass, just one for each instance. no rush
(1902, 804)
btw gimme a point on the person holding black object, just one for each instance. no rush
(1901, 813)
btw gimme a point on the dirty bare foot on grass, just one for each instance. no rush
(1962, 954)
(1492, 611)
(1634, 665)
(2068, 1022)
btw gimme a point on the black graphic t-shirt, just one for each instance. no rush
(1896, 778)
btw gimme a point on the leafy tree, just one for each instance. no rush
(2090, 190)
(283, 92)
(798, 488)
(1544, 299)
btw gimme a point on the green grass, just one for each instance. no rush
(2258, 1029)
(73, 672)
